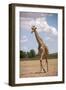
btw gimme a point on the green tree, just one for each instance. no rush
(31, 53)
(28, 54)
(22, 54)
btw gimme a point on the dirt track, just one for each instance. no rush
(31, 68)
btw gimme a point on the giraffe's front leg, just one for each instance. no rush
(47, 63)
(40, 65)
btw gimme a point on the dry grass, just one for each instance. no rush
(31, 68)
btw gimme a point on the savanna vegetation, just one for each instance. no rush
(33, 56)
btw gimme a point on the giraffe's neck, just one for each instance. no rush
(38, 38)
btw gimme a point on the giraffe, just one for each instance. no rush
(42, 49)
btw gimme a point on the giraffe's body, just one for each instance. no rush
(42, 49)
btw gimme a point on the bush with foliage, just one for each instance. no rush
(22, 54)
(30, 54)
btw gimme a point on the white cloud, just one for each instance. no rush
(24, 39)
(48, 38)
(24, 48)
(41, 24)
(54, 31)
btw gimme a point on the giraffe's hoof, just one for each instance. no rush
(44, 71)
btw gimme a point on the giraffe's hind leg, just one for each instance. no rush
(47, 64)
(41, 65)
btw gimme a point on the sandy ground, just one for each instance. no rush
(31, 68)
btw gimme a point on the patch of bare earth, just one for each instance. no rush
(31, 68)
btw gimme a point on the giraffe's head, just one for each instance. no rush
(33, 29)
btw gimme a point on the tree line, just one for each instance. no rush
(33, 55)
(29, 54)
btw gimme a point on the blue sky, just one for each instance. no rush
(47, 28)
